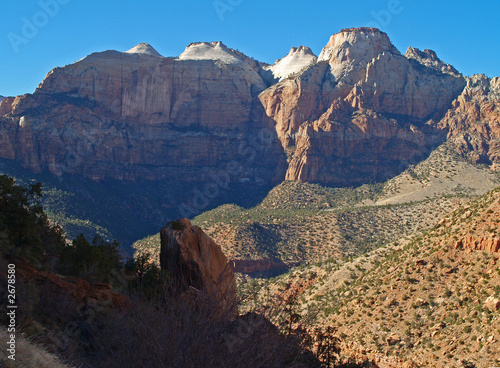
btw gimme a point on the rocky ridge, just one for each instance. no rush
(428, 300)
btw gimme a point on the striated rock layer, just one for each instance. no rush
(491, 245)
(138, 115)
(473, 122)
(363, 112)
(359, 112)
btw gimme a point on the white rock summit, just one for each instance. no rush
(354, 48)
(143, 49)
(297, 59)
(211, 51)
(219, 53)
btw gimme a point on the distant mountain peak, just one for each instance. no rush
(356, 44)
(215, 50)
(430, 59)
(297, 59)
(144, 49)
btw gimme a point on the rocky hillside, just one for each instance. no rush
(303, 222)
(429, 300)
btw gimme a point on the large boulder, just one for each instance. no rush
(197, 266)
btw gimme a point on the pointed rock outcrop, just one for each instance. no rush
(144, 49)
(298, 59)
(197, 266)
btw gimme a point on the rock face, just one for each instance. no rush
(197, 265)
(473, 122)
(362, 112)
(139, 115)
(359, 112)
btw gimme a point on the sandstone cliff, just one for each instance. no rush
(362, 112)
(473, 122)
(139, 115)
(359, 112)
(197, 266)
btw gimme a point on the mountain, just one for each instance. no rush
(1, 98)
(138, 115)
(362, 112)
(215, 126)
(357, 113)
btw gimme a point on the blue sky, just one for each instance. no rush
(38, 35)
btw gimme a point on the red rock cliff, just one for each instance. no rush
(359, 112)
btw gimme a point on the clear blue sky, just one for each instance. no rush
(34, 38)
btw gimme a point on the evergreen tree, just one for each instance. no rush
(26, 231)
